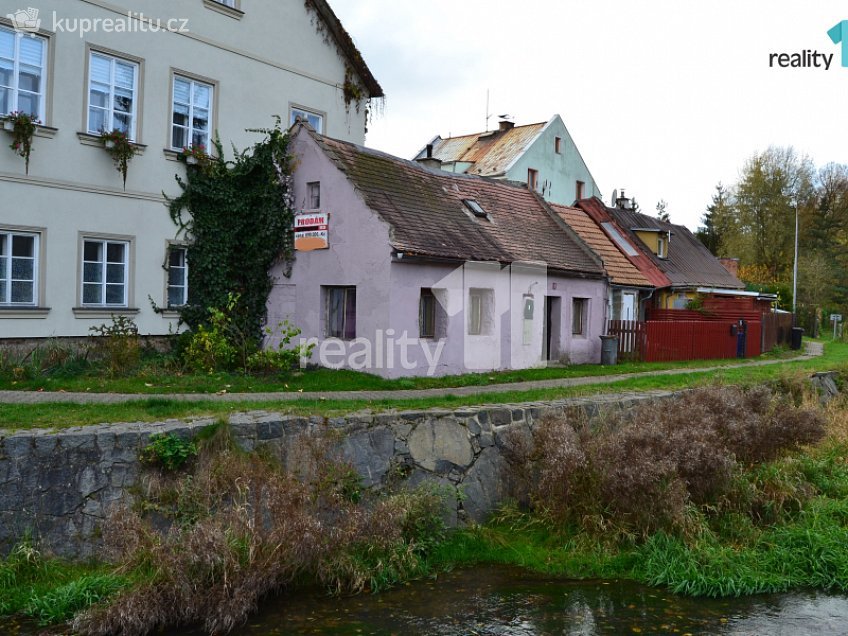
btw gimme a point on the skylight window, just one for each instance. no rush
(475, 208)
(619, 239)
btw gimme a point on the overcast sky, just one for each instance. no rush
(664, 98)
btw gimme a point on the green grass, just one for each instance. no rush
(52, 590)
(154, 377)
(58, 415)
(809, 550)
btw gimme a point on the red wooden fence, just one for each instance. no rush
(667, 340)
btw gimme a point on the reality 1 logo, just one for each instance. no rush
(839, 34)
(810, 58)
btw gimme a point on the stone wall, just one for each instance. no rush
(60, 486)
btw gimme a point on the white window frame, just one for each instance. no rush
(16, 68)
(190, 129)
(304, 113)
(110, 109)
(480, 307)
(6, 299)
(661, 247)
(184, 286)
(105, 242)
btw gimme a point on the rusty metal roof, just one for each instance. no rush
(428, 216)
(491, 152)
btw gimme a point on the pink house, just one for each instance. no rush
(403, 269)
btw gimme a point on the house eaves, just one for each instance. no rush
(346, 46)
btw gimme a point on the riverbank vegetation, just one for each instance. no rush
(727, 491)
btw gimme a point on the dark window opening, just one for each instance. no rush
(341, 312)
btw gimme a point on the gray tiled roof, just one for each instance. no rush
(689, 262)
(425, 210)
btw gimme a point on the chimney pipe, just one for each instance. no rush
(429, 160)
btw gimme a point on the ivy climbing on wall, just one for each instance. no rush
(238, 217)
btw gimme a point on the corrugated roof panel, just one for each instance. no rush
(492, 152)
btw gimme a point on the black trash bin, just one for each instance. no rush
(795, 341)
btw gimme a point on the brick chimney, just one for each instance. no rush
(505, 125)
(731, 265)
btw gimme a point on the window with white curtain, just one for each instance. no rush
(105, 267)
(23, 73)
(177, 276)
(191, 113)
(112, 95)
(18, 268)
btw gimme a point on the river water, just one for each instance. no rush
(500, 601)
(506, 601)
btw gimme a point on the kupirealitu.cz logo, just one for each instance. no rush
(810, 58)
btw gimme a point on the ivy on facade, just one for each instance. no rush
(238, 216)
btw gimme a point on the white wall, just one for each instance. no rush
(560, 171)
(262, 63)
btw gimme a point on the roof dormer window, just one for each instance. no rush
(475, 208)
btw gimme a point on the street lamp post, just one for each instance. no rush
(795, 272)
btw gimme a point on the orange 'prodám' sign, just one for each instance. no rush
(311, 231)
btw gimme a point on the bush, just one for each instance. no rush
(210, 348)
(241, 527)
(642, 470)
(168, 451)
(118, 344)
(283, 358)
(222, 345)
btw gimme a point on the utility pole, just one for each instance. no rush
(795, 271)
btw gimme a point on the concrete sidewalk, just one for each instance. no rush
(45, 397)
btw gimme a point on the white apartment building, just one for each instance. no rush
(76, 246)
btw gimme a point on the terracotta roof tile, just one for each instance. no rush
(620, 270)
(427, 215)
(601, 215)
